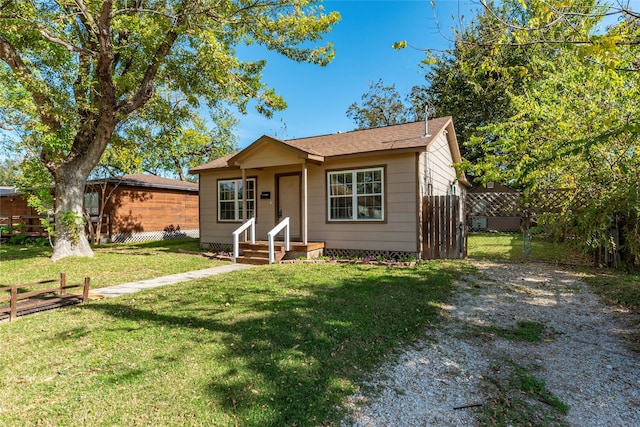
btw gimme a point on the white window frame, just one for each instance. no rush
(355, 195)
(238, 203)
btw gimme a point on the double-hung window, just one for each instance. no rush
(356, 195)
(231, 199)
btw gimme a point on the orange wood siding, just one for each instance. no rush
(141, 209)
(15, 205)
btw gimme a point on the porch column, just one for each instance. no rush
(244, 195)
(304, 203)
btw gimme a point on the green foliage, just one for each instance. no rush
(73, 224)
(9, 172)
(576, 128)
(77, 77)
(167, 136)
(461, 84)
(381, 106)
(37, 184)
(553, 106)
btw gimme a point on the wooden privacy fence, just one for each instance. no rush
(443, 232)
(23, 299)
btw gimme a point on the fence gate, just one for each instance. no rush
(513, 212)
(443, 234)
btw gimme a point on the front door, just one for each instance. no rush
(289, 203)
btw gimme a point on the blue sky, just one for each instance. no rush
(318, 97)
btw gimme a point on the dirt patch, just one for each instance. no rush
(530, 337)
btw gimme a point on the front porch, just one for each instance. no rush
(258, 252)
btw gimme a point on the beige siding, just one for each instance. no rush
(212, 231)
(397, 233)
(436, 167)
(441, 164)
(270, 156)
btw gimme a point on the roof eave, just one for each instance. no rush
(378, 153)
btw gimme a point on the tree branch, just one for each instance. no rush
(12, 58)
(145, 91)
(70, 47)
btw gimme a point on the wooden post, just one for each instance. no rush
(63, 283)
(85, 290)
(305, 202)
(13, 303)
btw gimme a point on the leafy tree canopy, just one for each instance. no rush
(79, 75)
(381, 106)
(9, 172)
(545, 96)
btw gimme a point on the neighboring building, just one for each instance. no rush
(134, 207)
(494, 207)
(359, 192)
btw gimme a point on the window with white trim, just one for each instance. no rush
(356, 195)
(230, 199)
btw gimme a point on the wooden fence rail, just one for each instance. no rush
(28, 225)
(23, 299)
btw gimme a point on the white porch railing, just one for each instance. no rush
(284, 224)
(251, 223)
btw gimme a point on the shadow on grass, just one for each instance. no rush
(15, 252)
(151, 247)
(289, 342)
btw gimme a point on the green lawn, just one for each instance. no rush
(111, 265)
(617, 288)
(271, 346)
(509, 247)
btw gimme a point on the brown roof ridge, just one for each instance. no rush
(365, 130)
(148, 180)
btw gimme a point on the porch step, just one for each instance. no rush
(258, 253)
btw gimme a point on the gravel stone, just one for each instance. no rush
(583, 357)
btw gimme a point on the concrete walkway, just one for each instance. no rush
(129, 288)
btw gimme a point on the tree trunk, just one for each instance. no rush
(70, 236)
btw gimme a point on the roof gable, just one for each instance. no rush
(267, 151)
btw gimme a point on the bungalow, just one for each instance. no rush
(366, 192)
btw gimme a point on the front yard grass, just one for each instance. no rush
(112, 264)
(509, 247)
(617, 288)
(271, 346)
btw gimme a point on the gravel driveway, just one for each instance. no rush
(448, 379)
